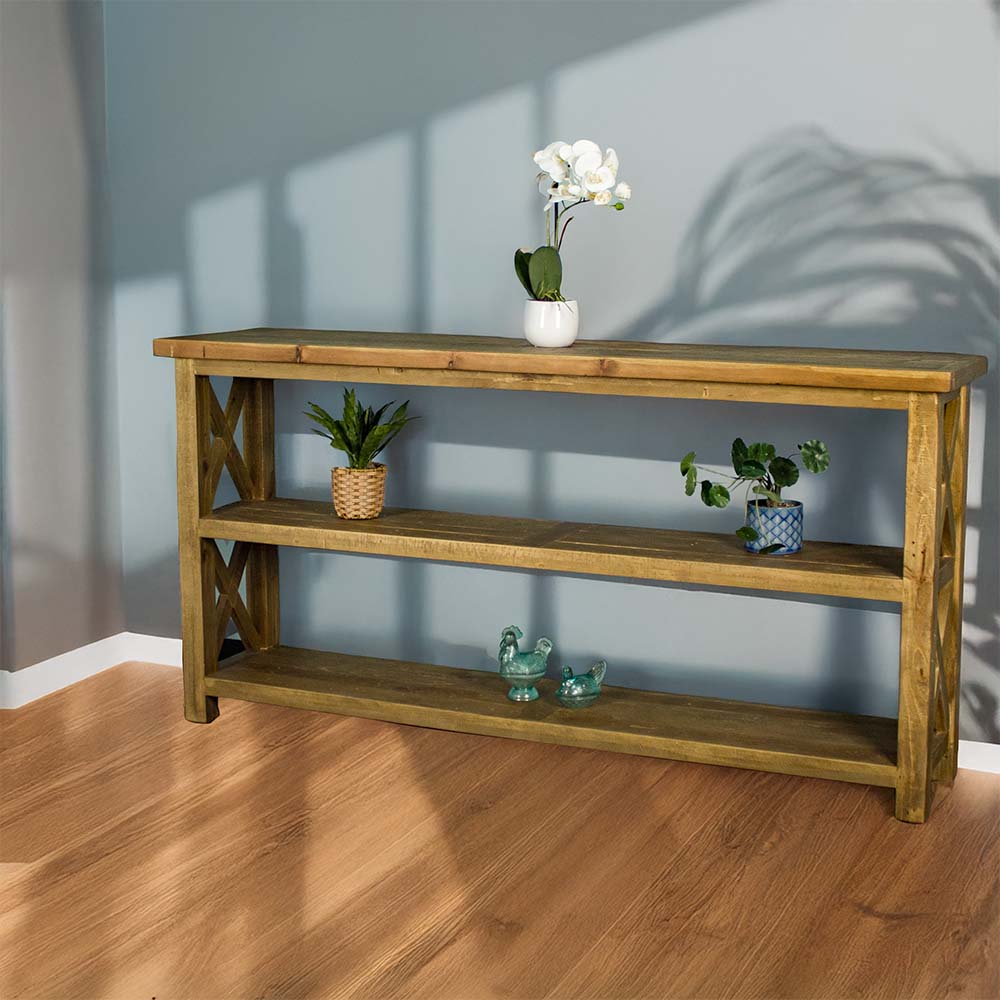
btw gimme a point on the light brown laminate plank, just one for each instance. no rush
(675, 727)
(687, 900)
(830, 367)
(891, 890)
(828, 568)
(829, 896)
(335, 857)
(423, 950)
(516, 940)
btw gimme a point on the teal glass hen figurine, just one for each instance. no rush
(522, 670)
(583, 689)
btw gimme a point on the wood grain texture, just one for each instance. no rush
(832, 367)
(918, 662)
(285, 854)
(675, 727)
(196, 555)
(953, 599)
(263, 599)
(224, 428)
(830, 568)
(931, 561)
(600, 385)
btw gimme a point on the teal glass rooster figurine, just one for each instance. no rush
(583, 689)
(522, 670)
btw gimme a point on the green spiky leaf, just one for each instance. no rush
(329, 428)
(380, 412)
(351, 417)
(360, 432)
(374, 443)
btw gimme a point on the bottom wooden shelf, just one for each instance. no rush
(677, 727)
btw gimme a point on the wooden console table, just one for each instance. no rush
(907, 754)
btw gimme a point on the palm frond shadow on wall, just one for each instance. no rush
(807, 241)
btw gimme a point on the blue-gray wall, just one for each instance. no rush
(60, 541)
(821, 174)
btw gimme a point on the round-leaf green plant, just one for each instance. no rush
(761, 471)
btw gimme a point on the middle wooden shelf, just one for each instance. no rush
(833, 569)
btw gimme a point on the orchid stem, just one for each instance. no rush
(565, 227)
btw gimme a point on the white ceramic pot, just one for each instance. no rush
(551, 324)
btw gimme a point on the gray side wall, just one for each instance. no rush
(61, 541)
(816, 174)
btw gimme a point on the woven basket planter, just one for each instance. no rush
(358, 494)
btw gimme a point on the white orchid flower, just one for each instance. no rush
(548, 159)
(601, 179)
(550, 152)
(579, 172)
(560, 193)
(545, 183)
(587, 162)
(573, 175)
(571, 155)
(558, 170)
(582, 146)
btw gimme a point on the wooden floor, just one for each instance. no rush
(280, 853)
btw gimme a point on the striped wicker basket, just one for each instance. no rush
(358, 494)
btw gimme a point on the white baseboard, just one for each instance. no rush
(975, 756)
(31, 683)
(19, 687)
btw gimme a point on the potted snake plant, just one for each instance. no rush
(361, 433)
(772, 524)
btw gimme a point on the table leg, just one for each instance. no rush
(197, 569)
(950, 596)
(919, 643)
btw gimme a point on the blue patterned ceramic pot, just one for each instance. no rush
(775, 526)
